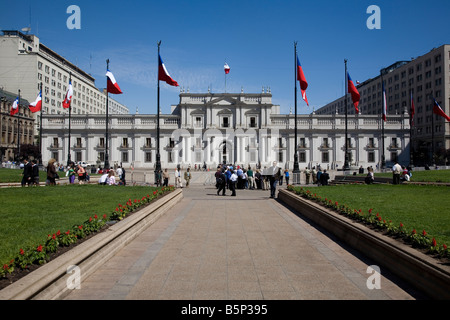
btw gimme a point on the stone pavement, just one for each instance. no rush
(248, 247)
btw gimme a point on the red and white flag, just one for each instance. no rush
(15, 107)
(112, 86)
(163, 74)
(438, 110)
(226, 67)
(37, 104)
(303, 83)
(68, 98)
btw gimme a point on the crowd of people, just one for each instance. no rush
(75, 172)
(316, 176)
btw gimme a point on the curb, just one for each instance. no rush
(50, 281)
(418, 269)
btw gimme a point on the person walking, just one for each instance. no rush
(51, 172)
(221, 182)
(187, 177)
(82, 174)
(307, 175)
(178, 178)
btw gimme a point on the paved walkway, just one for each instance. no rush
(213, 247)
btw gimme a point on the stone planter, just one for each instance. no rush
(418, 269)
(50, 280)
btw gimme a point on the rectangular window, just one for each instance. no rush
(325, 157)
(280, 156)
(252, 122)
(55, 155)
(125, 156)
(148, 143)
(78, 156)
(148, 157)
(101, 156)
(302, 157)
(225, 122)
(371, 156)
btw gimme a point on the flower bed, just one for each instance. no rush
(31, 257)
(419, 240)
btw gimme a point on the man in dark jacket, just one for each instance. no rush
(34, 173)
(27, 173)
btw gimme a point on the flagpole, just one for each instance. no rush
(107, 166)
(346, 165)
(18, 128)
(383, 109)
(411, 145)
(296, 167)
(432, 133)
(70, 112)
(40, 126)
(158, 156)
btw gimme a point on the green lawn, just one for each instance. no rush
(28, 215)
(425, 175)
(417, 207)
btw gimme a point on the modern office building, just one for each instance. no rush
(26, 63)
(424, 78)
(240, 128)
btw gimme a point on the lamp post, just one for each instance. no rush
(107, 120)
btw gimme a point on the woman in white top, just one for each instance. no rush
(111, 178)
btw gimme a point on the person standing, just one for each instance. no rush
(233, 181)
(251, 180)
(27, 173)
(166, 177)
(71, 174)
(81, 174)
(286, 175)
(178, 178)
(307, 175)
(396, 172)
(51, 172)
(34, 173)
(274, 175)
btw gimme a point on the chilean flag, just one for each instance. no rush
(37, 104)
(163, 75)
(111, 84)
(384, 103)
(301, 78)
(15, 107)
(413, 109)
(355, 94)
(226, 68)
(68, 99)
(438, 110)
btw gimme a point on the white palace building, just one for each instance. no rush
(239, 128)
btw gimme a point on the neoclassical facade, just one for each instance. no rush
(240, 128)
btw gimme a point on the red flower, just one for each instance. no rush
(5, 267)
(104, 216)
(58, 233)
(370, 210)
(414, 231)
(22, 252)
(424, 233)
(39, 248)
(54, 236)
(401, 225)
(90, 219)
(80, 227)
(379, 218)
(154, 193)
(68, 231)
(433, 242)
(95, 217)
(444, 246)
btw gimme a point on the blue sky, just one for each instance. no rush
(256, 39)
